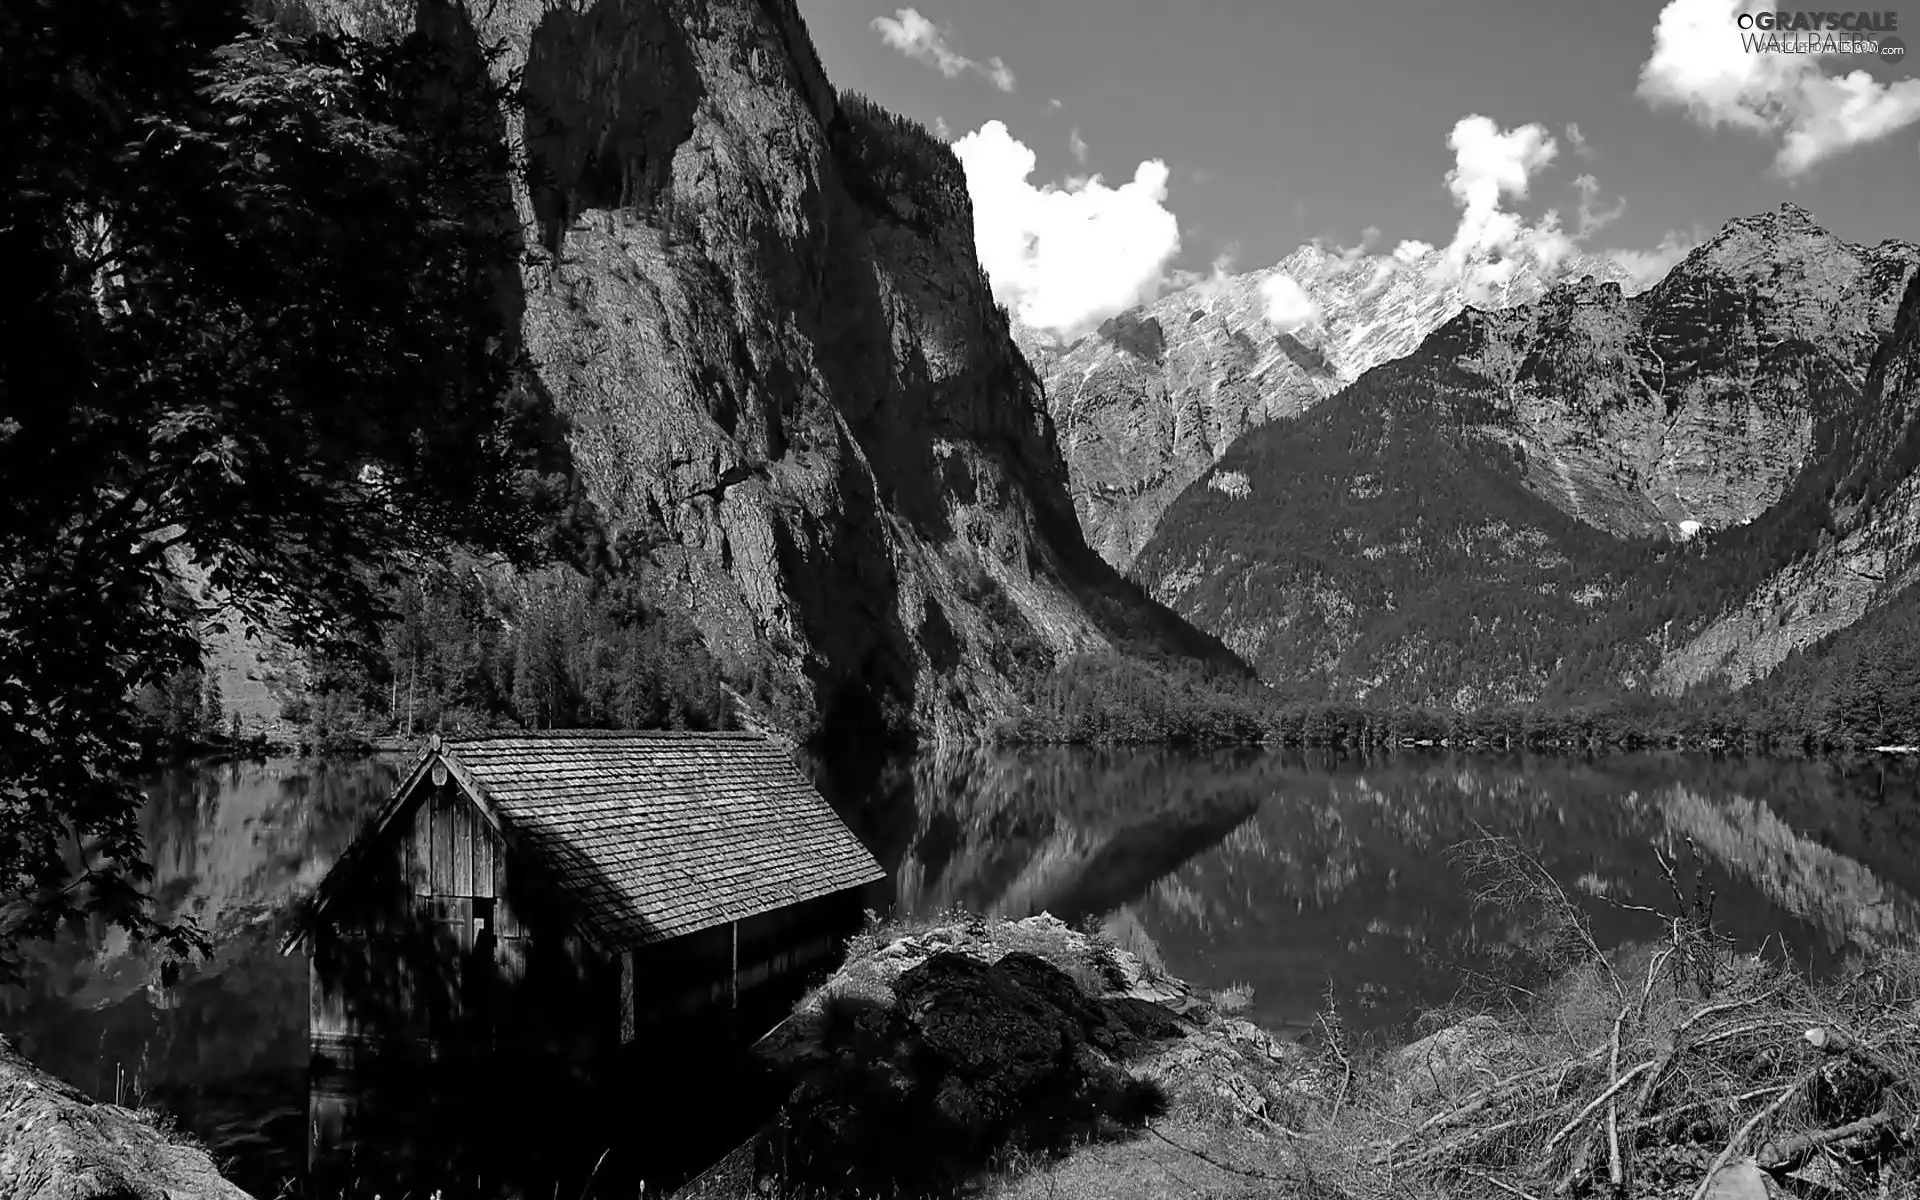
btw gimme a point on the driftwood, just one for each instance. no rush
(1790, 1153)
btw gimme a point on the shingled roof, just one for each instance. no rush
(653, 835)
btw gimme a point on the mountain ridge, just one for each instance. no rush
(1551, 499)
(1137, 429)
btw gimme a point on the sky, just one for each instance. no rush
(1116, 148)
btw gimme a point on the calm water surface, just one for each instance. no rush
(1279, 871)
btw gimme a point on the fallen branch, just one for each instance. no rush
(1593, 1105)
(1713, 1010)
(1679, 1045)
(1727, 1035)
(1514, 1088)
(1508, 1188)
(1661, 1118)
(1458, 1142)
(1616, 1169)
(1740, 1135)
(1828, 1040)
(1653, 974)
(1204, 1157)
(1788, 1154)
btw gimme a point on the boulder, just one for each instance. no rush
(56, 1143)
(1453, 1058)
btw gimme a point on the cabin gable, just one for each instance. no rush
(438, 932)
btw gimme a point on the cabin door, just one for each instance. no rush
(478, 978)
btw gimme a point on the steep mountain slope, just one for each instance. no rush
(1859, 579)
(1155, 397)
(758, 303)
(1503, 515)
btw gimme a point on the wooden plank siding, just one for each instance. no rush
(463, 818)
(724, 969)
(448, 857)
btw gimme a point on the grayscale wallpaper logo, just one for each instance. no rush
(1869, 36)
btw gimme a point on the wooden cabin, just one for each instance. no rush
(565, 891)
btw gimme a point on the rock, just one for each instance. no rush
(1206, 1068)
(971, 1057)
(1450, 1059)
(1741, 1181)
(1045, 921)
(998, 1038)
(1146, 1019)
(58, 1144)
(1257, 1041)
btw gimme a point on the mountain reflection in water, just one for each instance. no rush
(1289, 871)
(1283, 871)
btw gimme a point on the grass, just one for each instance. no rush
(1234, 998)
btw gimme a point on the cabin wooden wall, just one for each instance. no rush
(749, 968)
(450, 943)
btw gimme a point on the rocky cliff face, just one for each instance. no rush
(1504, 515)
(760, 308)
(1146, 404)
(1694, 406)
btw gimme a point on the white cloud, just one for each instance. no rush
(1700, 64)
(1844, 111)
(1490, 245)
(1648, 267)
(1054, 104)
(941, 130)
(920, 39)
(1354, 253)
(1592, 219)
(1578, 141)
(1288, 305)
(1065, 258)
(1204, 285)
(1078, 145)
(1490, 164)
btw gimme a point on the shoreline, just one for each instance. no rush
(1509, 1097)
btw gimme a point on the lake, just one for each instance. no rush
(1300, 876)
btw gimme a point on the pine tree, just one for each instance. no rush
(213, 708)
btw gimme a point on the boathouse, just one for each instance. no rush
(564, 891)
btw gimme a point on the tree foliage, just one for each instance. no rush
(260, 351)
(473, 649)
